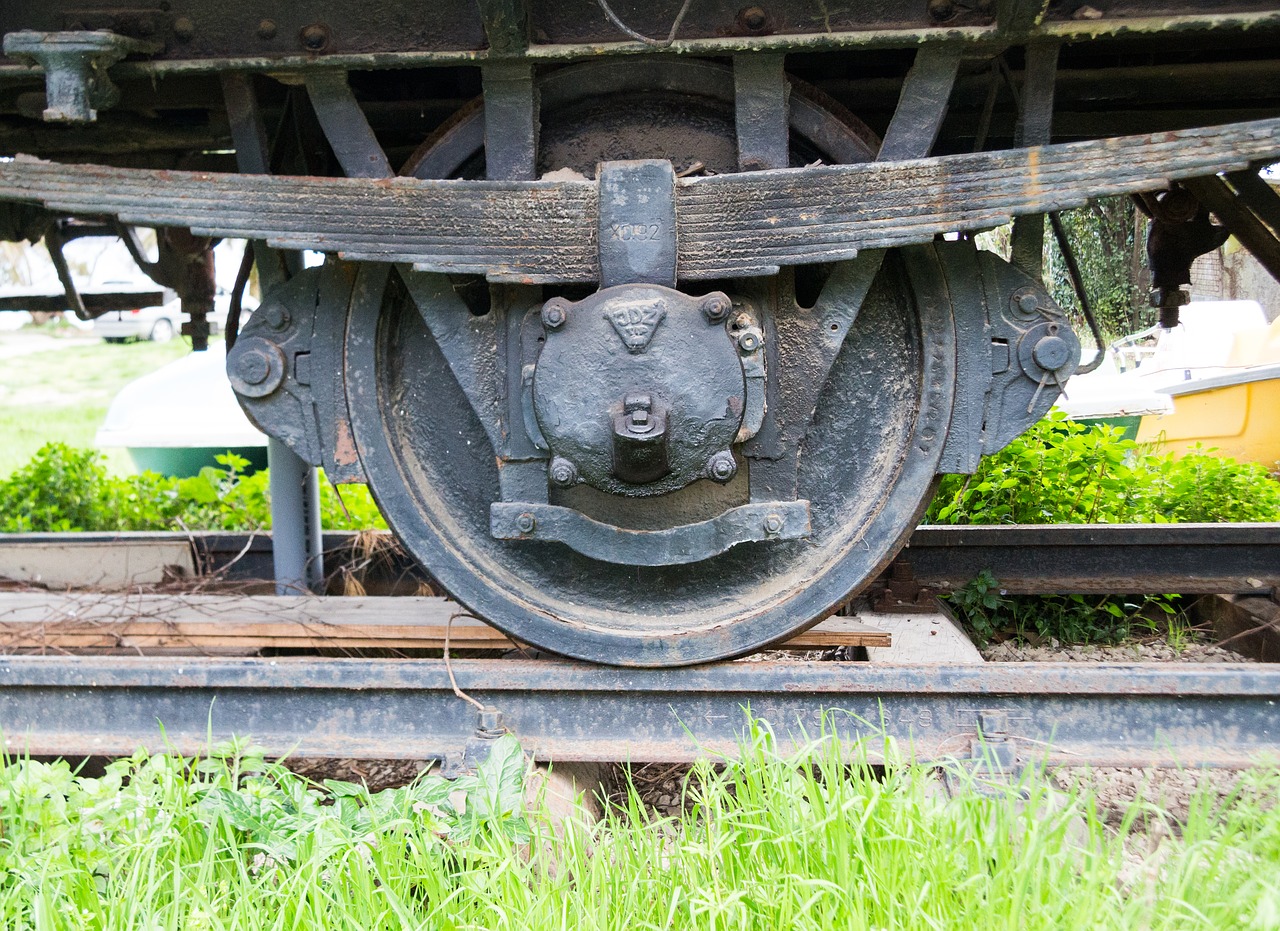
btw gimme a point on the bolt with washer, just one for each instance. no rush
(525, 523)
(563, 472)
(554, 313)
(750, 339)
(274, 315)
(716, 307)
(773, 524)
(722, 467)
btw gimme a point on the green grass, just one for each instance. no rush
(772, 841)
(62, 394)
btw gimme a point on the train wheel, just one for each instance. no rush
(867, 460)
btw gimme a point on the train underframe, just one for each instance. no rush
(650, 329)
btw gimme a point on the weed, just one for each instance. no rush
(992, 614)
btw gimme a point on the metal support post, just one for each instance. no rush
(296, 551)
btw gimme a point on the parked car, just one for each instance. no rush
(160, 324)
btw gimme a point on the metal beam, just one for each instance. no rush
(1191, 559)
(1086, 558)
(1169, 714)
(345, 126)
(922, 105)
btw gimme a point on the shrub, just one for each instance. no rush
(1063, 472)
(62, 488)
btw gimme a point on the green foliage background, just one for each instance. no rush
(1063, 472)
(62, 489)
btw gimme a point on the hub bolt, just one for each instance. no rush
(256, 367)
(773, 524)
(722, 467)
(525, 523)
(563, 472)
(716, 307)
(1051, 353)
(253, 367)
(555, 313)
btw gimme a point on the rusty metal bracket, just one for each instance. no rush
(747, 523)
(75, 67)
(638, 237)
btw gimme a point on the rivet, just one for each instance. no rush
(184, 29)
(267, 29)
(941, 9)
(752, 19)
(314, 38)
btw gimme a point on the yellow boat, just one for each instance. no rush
(1236, 409)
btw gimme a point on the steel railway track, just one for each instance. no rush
(1148, 714)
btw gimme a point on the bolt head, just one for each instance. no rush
(554, 314)
(489, 720)
(993, 723)
(184, 29)
(1028, 303)
(267, 29)
(773, 524)
(525, 523)
(275, 316)
(716, 307)
(1051, 353)
(722, 467)
(750, 339)
(562, 472)
(253, 368)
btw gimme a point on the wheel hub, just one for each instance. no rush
(640, 390)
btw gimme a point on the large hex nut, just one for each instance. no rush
(256, 367)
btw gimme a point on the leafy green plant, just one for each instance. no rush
(1064, 472)
(62, 488)
(990, 613)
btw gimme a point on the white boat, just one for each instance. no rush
(178, 418)
(1143, 373)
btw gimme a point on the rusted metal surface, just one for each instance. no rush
(771, 218)
(385, 34)
(1101, 558)
(1059, 713)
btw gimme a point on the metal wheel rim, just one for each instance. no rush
(502, 591)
